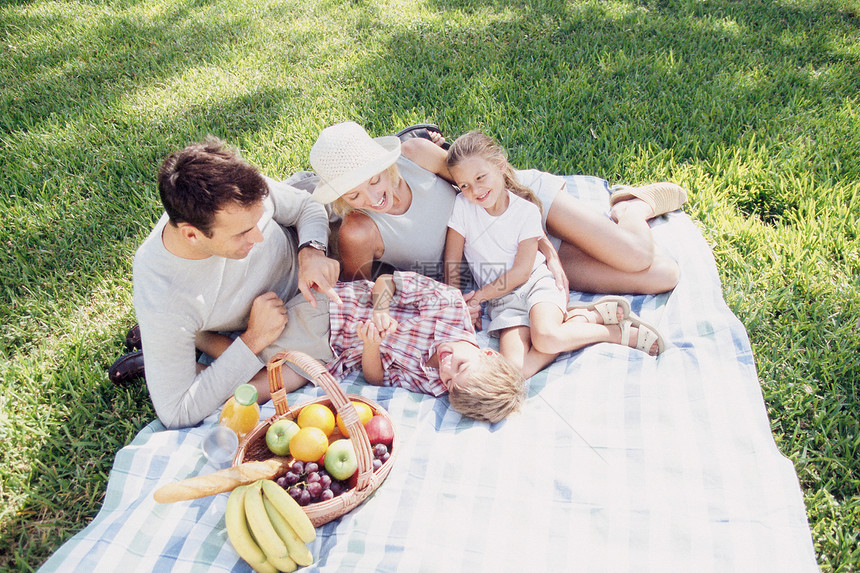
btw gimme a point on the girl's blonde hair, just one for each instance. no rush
(341, 207)
(476, 143)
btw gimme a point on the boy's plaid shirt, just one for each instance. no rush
(427, 312)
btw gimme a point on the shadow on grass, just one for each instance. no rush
(590, 88)
(60, 117)
(79, 196)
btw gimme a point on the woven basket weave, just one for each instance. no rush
(253, 447)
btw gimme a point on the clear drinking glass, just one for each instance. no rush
(220, 445)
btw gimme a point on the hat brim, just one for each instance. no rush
(328, 191)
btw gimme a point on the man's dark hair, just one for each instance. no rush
(205, 177)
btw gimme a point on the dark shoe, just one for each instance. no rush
(132, 339)
(127, 367)
(421, 130)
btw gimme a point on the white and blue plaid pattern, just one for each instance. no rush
(618, 462)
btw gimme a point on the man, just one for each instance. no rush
(220, 259)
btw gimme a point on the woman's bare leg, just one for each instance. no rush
(587, 274)
(602, 255)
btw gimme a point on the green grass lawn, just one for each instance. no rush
(752, 105)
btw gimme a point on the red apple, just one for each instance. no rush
(379, 430)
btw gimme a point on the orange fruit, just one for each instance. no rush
(364, 414)
(308, 444)
(316, 416)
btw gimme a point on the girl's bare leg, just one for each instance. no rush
(292, 381)
(551, 333)
(515, 345)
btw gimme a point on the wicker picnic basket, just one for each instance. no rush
(253, 447)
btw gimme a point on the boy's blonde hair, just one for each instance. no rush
(476, 143)
(341, 207)
(495, 390)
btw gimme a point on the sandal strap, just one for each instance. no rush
(606, 307)
(646, 339)
(608, 311)
(663, 197)
(648, 335)
(625, 332)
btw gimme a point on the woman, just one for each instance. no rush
(397, 197)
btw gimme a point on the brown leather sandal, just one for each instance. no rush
(132, 339)
(127, 367)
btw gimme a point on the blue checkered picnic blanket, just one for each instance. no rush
(618, 462)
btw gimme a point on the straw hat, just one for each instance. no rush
(344, 156)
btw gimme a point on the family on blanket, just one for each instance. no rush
(237, 269)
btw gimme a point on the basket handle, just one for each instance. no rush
(322, 378)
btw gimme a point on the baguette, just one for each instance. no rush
(223, 480)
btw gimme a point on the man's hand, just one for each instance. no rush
(267, 321)
(317, 271)
(474, 305)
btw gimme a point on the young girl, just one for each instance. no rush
(496, 223)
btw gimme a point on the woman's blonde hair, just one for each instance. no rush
(341, 207)
(476, 143)
(495, 390)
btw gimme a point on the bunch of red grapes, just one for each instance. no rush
(309, 483)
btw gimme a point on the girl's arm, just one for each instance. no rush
(428, 155)
(454, 243)
(553, 263)
(515, 276)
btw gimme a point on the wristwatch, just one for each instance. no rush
(314, 245)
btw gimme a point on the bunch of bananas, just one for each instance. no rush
(268, 528)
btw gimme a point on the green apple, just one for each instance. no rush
(279, 434)
(340, 459)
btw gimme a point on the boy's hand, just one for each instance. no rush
(384, 324)
(369, 334)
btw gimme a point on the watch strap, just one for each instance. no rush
(318, 245)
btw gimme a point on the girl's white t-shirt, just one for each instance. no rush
(492, 242)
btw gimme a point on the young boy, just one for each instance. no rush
(403, 330)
